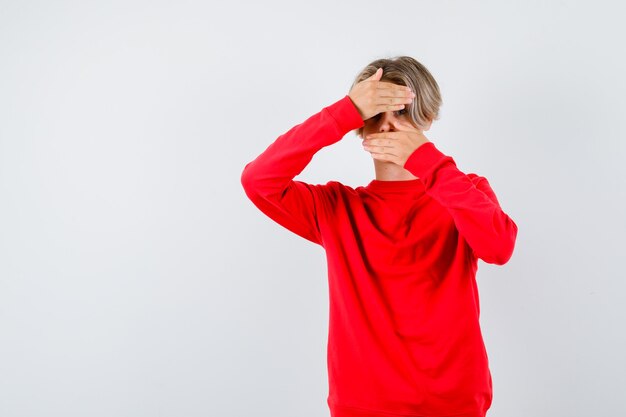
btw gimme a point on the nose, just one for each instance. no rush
(387, 121)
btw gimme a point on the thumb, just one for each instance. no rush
(376, 76)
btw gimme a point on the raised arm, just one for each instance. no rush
(268, 179)
(488, 230)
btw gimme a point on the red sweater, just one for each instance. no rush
(404, 335)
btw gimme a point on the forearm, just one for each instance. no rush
(487, 229)
(271, 172)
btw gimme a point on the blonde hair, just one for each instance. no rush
(405, 70)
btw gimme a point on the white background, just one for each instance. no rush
(137, 279)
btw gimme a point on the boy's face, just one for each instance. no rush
(390, 121)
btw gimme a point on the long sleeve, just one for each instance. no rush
(477, 214)
(268, 180)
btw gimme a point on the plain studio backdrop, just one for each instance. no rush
(137, 279)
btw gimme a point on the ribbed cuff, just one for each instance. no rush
(425, 159)
(345, 114)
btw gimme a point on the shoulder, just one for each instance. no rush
(474, 177)
(478, 180)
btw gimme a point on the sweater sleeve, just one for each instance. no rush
(477, 214)
(268, 179)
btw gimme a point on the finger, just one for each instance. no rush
(380, 148)
(388, 89)
(380, 142)
(394, 99)
(398, 97)
(383, 135)
(376, 75)
(383, 153)
(386, 106)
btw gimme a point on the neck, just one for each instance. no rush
(388, 171)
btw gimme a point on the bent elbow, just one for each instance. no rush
(248, 182)
(245, 176)
(502, 250)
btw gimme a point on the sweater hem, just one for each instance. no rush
(340, 410)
